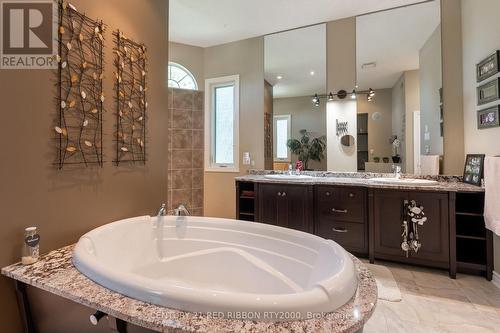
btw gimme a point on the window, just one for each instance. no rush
(179, 77)
(282, 133)
(221, 124)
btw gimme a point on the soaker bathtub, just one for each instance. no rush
(230, 268)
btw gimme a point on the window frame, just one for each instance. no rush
(288, 118)
(210, 85)
(188, 73)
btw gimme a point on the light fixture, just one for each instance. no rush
(312, 73)
(341, 94)
(279, 77)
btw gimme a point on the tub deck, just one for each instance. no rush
(55, 273)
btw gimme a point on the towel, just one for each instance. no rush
(492, 195)
(429, 165)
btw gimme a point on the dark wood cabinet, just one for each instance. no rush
(387, 209)
(287, 206)
(340, 213)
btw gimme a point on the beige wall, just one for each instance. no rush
(481, 37)
(190, 57)
(65, 204)
(379, 131)
(245, 58)
(341, 74)
(451, 35)
(430, 83)
(304, 116)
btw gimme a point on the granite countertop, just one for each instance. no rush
(362, 179)
(55, 273)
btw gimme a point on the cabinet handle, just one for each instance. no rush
(343, 211)
(328, 194)
(279, 194)
(351, 195)
(283, 194)
(340, 230)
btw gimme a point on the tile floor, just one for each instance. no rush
(432, 302)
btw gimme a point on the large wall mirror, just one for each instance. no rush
(295, 70)
(398, 54)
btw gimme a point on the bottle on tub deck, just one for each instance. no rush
(31, 247)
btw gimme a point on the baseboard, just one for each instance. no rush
(496, 279)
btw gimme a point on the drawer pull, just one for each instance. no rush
(328, 194)
(351, 195)
(340, 230)
(279, 194)
(283, 194)
(343, 211)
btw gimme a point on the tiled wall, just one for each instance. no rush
(185, 150)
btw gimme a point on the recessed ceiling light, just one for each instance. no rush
(312, 73)
(279, 77)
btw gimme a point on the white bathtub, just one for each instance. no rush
(222, 267)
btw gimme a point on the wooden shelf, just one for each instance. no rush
(247, 214)
(471, 237)
(246, 197)
(469, 214)
(471, 265)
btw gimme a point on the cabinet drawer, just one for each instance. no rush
(351, 236)
(341, 203)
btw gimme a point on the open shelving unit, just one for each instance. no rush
(362, 140)
(245, 201)
(473, 243)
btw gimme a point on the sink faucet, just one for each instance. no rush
(162, 211)
(180, 210)
(397, 171)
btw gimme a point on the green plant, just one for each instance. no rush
(306, 148)
(376, 159)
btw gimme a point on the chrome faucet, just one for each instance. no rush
(181, 210)
(162, 211)
(397, 171)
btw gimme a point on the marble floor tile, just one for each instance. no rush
(432, 302)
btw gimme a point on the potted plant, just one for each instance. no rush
(376, 159)
(308, 148)
(385, 159)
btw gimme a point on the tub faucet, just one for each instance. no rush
(162, 211)
(180, 210)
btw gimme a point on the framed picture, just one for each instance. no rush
(488, 67)
(488, 118)
(488, 92)
(473, 170)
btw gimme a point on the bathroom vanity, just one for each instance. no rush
(366, 216)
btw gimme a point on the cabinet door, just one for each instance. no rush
(434, 234)
(268, 203)
(387, 220)
(295, 213)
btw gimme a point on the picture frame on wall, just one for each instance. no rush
(488, 92)
(473, 169)
(488, 118)
(488, 67)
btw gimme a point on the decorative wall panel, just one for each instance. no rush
(80, 96)
(131, 103)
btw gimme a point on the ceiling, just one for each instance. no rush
(206, 23)
(293, 55)
(392, 39)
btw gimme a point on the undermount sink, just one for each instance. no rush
(288, 177)
(404, 181)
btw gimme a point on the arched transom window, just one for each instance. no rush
(180, 77)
